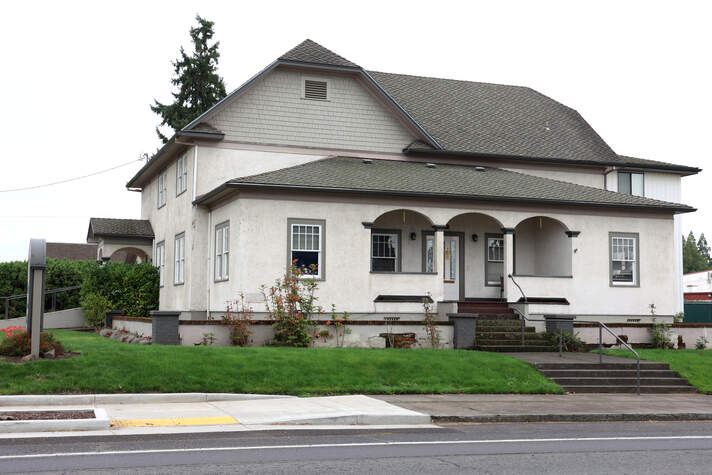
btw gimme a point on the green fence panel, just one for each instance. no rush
(698, 312)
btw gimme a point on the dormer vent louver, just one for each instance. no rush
(315, 90)
(431, 165)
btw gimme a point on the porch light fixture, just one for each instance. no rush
(412, 236)
(474, 237)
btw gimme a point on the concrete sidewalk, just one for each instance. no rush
(556, 408)
(134, 413)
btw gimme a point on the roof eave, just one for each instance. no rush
(679, 168)
(213, 194)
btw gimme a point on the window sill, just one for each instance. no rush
(161, 206)
(402, 273)
(545, 276)
(181, 192)
(175, 284)
(217, 281)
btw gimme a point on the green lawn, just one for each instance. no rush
(693, 365)
(107, 366)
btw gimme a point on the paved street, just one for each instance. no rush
(669, 447)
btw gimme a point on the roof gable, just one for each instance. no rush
(311, 52)
(123, 228)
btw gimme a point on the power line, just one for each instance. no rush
(26, 188)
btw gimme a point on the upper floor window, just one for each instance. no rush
(162, 189)
(625, 263)
(179, 269)
(222, 251)
(631, 183)
(182, 174)
(159, 261)
(306, 246)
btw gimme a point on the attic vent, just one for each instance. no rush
(430, 165)
(367, 161)
(480, 169)
(315, 90)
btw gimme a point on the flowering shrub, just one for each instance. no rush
(431, 330)
(238, 317)
(17, 343)
(126, 336)
(338, 323)
(291, 303)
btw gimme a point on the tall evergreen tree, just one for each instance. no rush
(704, 249)
(692, 258)
(198, 84)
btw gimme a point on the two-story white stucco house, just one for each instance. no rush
(399, 187)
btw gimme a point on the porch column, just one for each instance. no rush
(509, 291)
(439, 262)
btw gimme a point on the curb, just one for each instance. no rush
(100, 422)
(361, 420)
(602, 417)
(147, 398)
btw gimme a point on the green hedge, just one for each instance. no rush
(132, 288)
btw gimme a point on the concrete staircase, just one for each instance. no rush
(499, 329)
(615, 377)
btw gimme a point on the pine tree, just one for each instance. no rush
(692, 258)
(199, 85)
(704, 249)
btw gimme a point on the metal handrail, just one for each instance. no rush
(53, 293)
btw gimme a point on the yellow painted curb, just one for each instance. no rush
(186, 421)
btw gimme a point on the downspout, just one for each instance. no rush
(195, 169)
(210, 253)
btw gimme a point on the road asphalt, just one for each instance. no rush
(551, 448)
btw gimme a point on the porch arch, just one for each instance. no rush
(542, 248)
(398, 241)
(129, 255)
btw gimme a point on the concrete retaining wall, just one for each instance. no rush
(69, 318)
(640, 334)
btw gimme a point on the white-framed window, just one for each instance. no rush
(385, 251)
(159, 260)
(494, 262)
(222, 251)
(179, 268)
(162, 189)
(631, 183)
(306, 246)
(624, 259)
(182, 174)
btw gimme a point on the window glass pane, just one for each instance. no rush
(494, 271)
(385, 245)
(495, 249)
(636, 184)
(623, 271)
(383, 265)
(305, 259)
(624, 183)
(429, 253)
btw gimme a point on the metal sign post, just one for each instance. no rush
(36, 267)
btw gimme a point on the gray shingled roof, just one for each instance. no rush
(111, 227)
(394, 177)
(309, 51)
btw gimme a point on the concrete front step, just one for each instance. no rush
(611, 373)
(631, 389)
(513, 342)
(513, 348)
(643, 366)
(510, 335)
(612, 381)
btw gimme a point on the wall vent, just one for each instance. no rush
(315, 90)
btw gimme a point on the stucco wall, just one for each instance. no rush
(542, 248)
(258, 252)
(273, 111)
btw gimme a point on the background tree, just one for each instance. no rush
(692, 258)
(198, 84)
(704, 249)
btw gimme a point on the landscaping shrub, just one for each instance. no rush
(95, 307)
(17, 343)
(570, 341)
(132, 288)
(660, 335)
(239, 317)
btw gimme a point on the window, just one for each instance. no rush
(159, 261)
(385, 251)
(315, 90)
(624, 259)
(428, 252)
(306, 246)
(631, 183)
(179, 270)
(182, 174)
(222, 251)
(162, 189)
(494, 259)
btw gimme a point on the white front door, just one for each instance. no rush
(451, 275)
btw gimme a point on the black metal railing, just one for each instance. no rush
(52, 294)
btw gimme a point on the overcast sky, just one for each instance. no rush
(77, 79)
